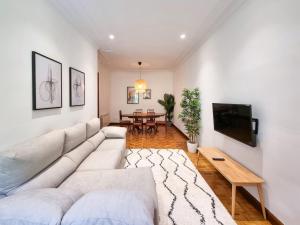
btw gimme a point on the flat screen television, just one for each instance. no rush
(235, 121)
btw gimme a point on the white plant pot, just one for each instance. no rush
(192, 147)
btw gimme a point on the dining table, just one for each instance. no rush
(144, 115)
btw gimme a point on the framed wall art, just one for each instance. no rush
(46, 82)
(77, 87)
(132, 96)
(147, 94)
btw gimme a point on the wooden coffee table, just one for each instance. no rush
(235, 173)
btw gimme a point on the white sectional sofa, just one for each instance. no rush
(67, 170)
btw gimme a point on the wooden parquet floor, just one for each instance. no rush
(246, 213)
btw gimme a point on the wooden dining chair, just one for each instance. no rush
(149, 111)
(137, 122)
(150, 124)
(162, 123)
(124, 123)
(140, 111)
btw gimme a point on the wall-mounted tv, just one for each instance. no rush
(235, 121)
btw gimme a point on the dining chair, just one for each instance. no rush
(162, 123)
(150, 124)
(124, 123)
(149, 110)
(140, 111)
(137, 122)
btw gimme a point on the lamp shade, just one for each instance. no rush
(140, 86)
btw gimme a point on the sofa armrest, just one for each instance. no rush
(114, 132)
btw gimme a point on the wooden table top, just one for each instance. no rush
(233, 171)
(144, 115)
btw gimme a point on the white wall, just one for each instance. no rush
(104, 87)
(254, 58)
(35, 25)
(159, 81)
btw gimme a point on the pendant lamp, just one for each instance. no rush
(140, 85)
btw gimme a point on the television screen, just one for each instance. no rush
(234, 121)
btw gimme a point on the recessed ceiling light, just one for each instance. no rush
(111, 36)
(182, 36)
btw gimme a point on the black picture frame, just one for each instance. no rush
(136, 99)
(76, 99)
(147, 94)
(47, 89)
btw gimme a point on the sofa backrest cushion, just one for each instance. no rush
(97, 139)
(51, 177)
(92, 127)
(78, 154)
(75, 135)
(21, 162)
(37, 207)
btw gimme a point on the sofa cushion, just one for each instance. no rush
(74, 136)
(51, 177)
(102, 160)
(78, 154)
(134, 179)
(114, 132)
(111, 207)
(92, 127)
(37, 207)
(112, 144)
(97, 139)
(23, 161)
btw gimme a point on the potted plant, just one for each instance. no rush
(190, 116)
(168, 103)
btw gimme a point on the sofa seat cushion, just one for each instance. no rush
(37, 207)
(134, 179)
(111, 207)
(21, 162)
(92, 127)
(78, 154)
(97, 139)
(112, 144)
(114, 132)
(102, 160)
(74, 136)
(51, 177)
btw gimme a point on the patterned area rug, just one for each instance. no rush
(184, 197)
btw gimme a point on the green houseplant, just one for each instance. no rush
(168, 103)
(190, 116)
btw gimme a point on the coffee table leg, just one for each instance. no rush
(262, 200)
(233, 200)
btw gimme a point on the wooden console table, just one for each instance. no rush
(235, 173)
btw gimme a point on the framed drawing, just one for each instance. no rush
(46, 82)
(132, 96)
(77, 87)
(147, 94)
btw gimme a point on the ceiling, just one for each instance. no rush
(145, 30)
